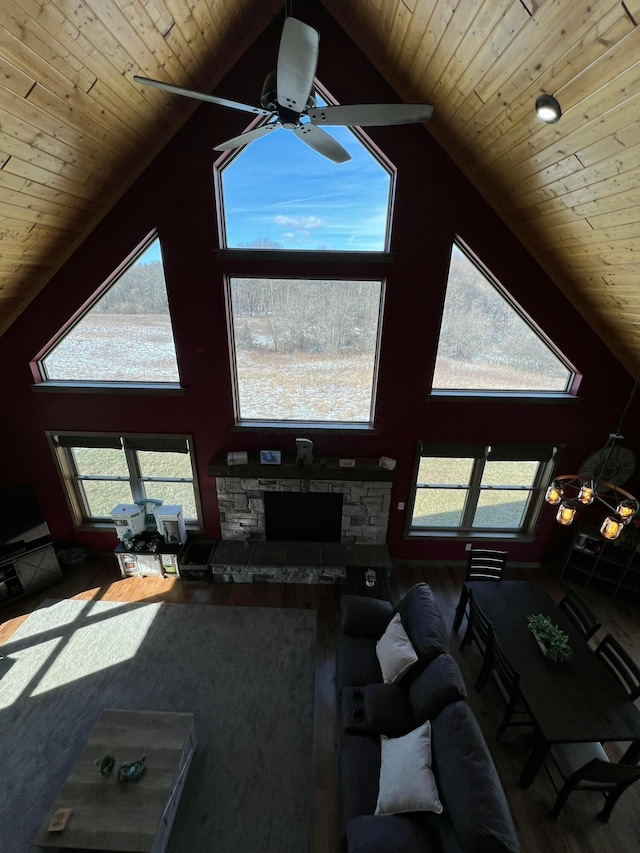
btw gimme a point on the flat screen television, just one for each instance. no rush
(21, 519)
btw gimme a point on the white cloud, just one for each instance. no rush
(303, 223)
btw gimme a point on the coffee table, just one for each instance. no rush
(130, 817)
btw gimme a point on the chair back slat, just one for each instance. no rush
(610, 778)
(608, 772)
(621, 664)
(580, 614)
(481, 628)
(506, 677)
(486, 564)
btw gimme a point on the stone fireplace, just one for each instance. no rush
(365, 506)
(358, 499)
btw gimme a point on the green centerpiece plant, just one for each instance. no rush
(554, 642)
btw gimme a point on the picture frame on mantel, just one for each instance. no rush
(270, 457)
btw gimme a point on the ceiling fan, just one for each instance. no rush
(288, 99)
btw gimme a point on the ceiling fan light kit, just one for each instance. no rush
(288, 100)
(548, 109)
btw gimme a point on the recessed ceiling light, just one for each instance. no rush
(548, 109)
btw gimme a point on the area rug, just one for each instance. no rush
(247, 674)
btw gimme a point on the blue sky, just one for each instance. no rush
(278, 188)
(152, 253)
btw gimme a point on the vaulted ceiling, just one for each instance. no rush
(76, 131)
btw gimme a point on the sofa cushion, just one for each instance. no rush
(395, 652)
(440, 683)
(356, 662)
(407, 783)
(423, 622)
(387, 834)
(468, 783)
(387, 710)
(359, 765)
(364, 617)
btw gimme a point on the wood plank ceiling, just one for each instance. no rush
(72, 121)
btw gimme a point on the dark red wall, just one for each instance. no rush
(434, 203)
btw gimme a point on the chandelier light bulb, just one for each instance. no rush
(587, 494)
(554, 494)
(626, 511)
(566, 512)
(611, 527)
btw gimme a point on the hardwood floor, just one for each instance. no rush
(576, 830)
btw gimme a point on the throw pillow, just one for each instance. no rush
(407, 783)
(395, 653)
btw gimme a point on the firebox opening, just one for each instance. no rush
(303, 516)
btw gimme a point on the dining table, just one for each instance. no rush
(575, 701)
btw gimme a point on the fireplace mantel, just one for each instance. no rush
(328, 468)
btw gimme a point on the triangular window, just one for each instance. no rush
(279, 194)
(486, 341)
(124, 335)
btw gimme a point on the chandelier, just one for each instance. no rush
(596, 484)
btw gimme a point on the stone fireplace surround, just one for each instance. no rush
(365, 508)
(366, 491)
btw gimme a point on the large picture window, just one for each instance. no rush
(479, 490)
(101, 471)
(305, 350)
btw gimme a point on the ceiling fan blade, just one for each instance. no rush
(370, 115)
(297, 61)
(246, 138)
(189, 93)
(322, 142)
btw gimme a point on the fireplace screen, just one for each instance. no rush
(303, 516)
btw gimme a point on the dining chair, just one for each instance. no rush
(586, 767)
(480, 631)
(621, 664)
(580, 614)
(507, 680)
(483, 564)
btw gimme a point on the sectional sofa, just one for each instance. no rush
(416, 775)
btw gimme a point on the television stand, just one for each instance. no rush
(26, 570)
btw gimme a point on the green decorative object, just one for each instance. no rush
(132, 770)
(105, 764)
(553, 641)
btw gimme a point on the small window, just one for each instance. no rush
(305, 350)
(125, 335)
(487, 343)
(479, 490)
(101, 471)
